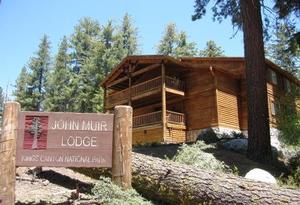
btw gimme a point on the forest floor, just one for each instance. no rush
(62, 186)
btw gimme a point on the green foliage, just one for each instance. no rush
(195, 156)
(21, 92)
(289, 118)
(39, 67)
(292, 180)
(278, 49)
(58, 86)
(108, 193)
(211, 50)
(174, 44)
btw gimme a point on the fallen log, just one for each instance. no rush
(180, 184)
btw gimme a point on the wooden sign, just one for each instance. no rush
(64, 139)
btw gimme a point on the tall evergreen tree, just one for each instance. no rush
(128, 35)
(168, 42)
(39, 67)
(175, 44)
(21, 92)
(85, 41)
(246, 14)
(211, 50)
(183, 47)
(58, 87)
(278, 50)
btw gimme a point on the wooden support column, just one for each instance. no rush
(8, 153)
(122, 146)
(163, 99)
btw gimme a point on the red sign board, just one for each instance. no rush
(64, 139)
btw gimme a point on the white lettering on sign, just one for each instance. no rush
(77, 141)
(88, 125)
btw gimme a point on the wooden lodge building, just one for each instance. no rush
(174, 100)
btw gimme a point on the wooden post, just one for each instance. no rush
(8, 153)
(122, 146)
(163, 99)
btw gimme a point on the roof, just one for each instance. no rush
(232, 65)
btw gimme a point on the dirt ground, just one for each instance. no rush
(56, 186)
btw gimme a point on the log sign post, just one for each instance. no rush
(64, 140)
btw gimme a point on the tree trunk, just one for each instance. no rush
(173, 183)
(259, 145)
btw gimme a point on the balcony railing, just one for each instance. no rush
(141, 88)
(156, 118)
(147, 119)
(145, 86)
(175, 117)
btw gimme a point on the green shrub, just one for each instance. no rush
(108, 193)
(289, 119)
(195, 156)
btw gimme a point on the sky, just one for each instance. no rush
(23, 23)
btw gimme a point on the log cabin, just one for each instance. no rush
(174, 100)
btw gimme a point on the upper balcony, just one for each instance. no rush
(147, 88)
(155, 118)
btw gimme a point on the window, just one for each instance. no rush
(273, 108)
(273, 77)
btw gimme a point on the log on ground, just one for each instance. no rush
(180, 184)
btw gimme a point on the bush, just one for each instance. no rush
(195, 156)
(289, 119)
(108, 193)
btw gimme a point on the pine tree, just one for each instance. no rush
(168, 42)
(211, 50)
(183, 47)
(21, 92)
(85, 42)
(176, 44)
(58, 87)
(128, 35)
(247, 15)
(39, 67)
(278, 50)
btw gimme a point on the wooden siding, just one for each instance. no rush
(174, 136)
(227, 101)
(147, 136)
(200, 100)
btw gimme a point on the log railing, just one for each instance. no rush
(145, 86)
(141, 88)
(156, 117)
(147, 119)
(175, 117)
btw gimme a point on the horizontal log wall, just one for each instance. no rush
(147, 135)
(227, 101)
(200, 100)
(175, 135)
